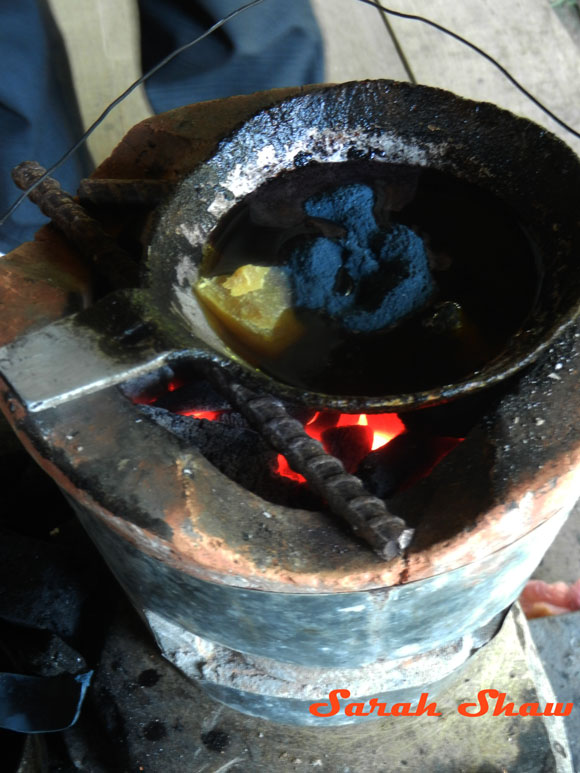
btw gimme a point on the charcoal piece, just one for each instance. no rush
(44, 585)
(350, 444)
(195, 395)
(240, 453)
(147, 388)
(402, 462)
(232, 419)
(246, 458)
(301, 414)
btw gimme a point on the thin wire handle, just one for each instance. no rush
(120, 99)
(233, 14)
(481, 52)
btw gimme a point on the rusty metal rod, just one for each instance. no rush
(86, 233)
(345, 494)
(123, 193)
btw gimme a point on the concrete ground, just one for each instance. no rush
(562, 561)
(558, 638)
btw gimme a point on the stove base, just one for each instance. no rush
(160, 721)
(283, 692)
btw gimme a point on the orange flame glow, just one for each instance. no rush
(209, 415)
(383, 426)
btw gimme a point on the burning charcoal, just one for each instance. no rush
(302, 414)
(370, 278)
(238, 452)
(403, 462)
(196, 394)
(147, 389)
(349, 444)
(246, 458)
(232, 419)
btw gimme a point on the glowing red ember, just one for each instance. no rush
(324, 426)
(208, 415)
(383, 427)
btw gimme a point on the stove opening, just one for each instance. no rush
(389, 452)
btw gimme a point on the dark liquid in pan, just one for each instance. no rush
(486, 271)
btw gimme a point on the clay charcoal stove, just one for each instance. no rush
(263, 570)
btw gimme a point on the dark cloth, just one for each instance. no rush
(38, 115)
(277, 43)
(274, 44)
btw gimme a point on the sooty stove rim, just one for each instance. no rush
(512, 461)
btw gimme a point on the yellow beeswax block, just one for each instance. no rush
(255, 305)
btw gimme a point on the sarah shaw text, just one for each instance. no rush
(488, 701)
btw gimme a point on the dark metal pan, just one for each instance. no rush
(535, 174)
(330, 130)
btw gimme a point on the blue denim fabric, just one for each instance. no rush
(274, 44)
(38, 118)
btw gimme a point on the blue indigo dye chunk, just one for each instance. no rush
(369, 279)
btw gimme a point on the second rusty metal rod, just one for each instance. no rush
(345, 494)
(124, 193)
(86, 233)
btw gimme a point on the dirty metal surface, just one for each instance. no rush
(113, 342)
(324, 629)
(78, 355)
(521, 445)
(94, 352)
(40, 282)
(187, 542)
